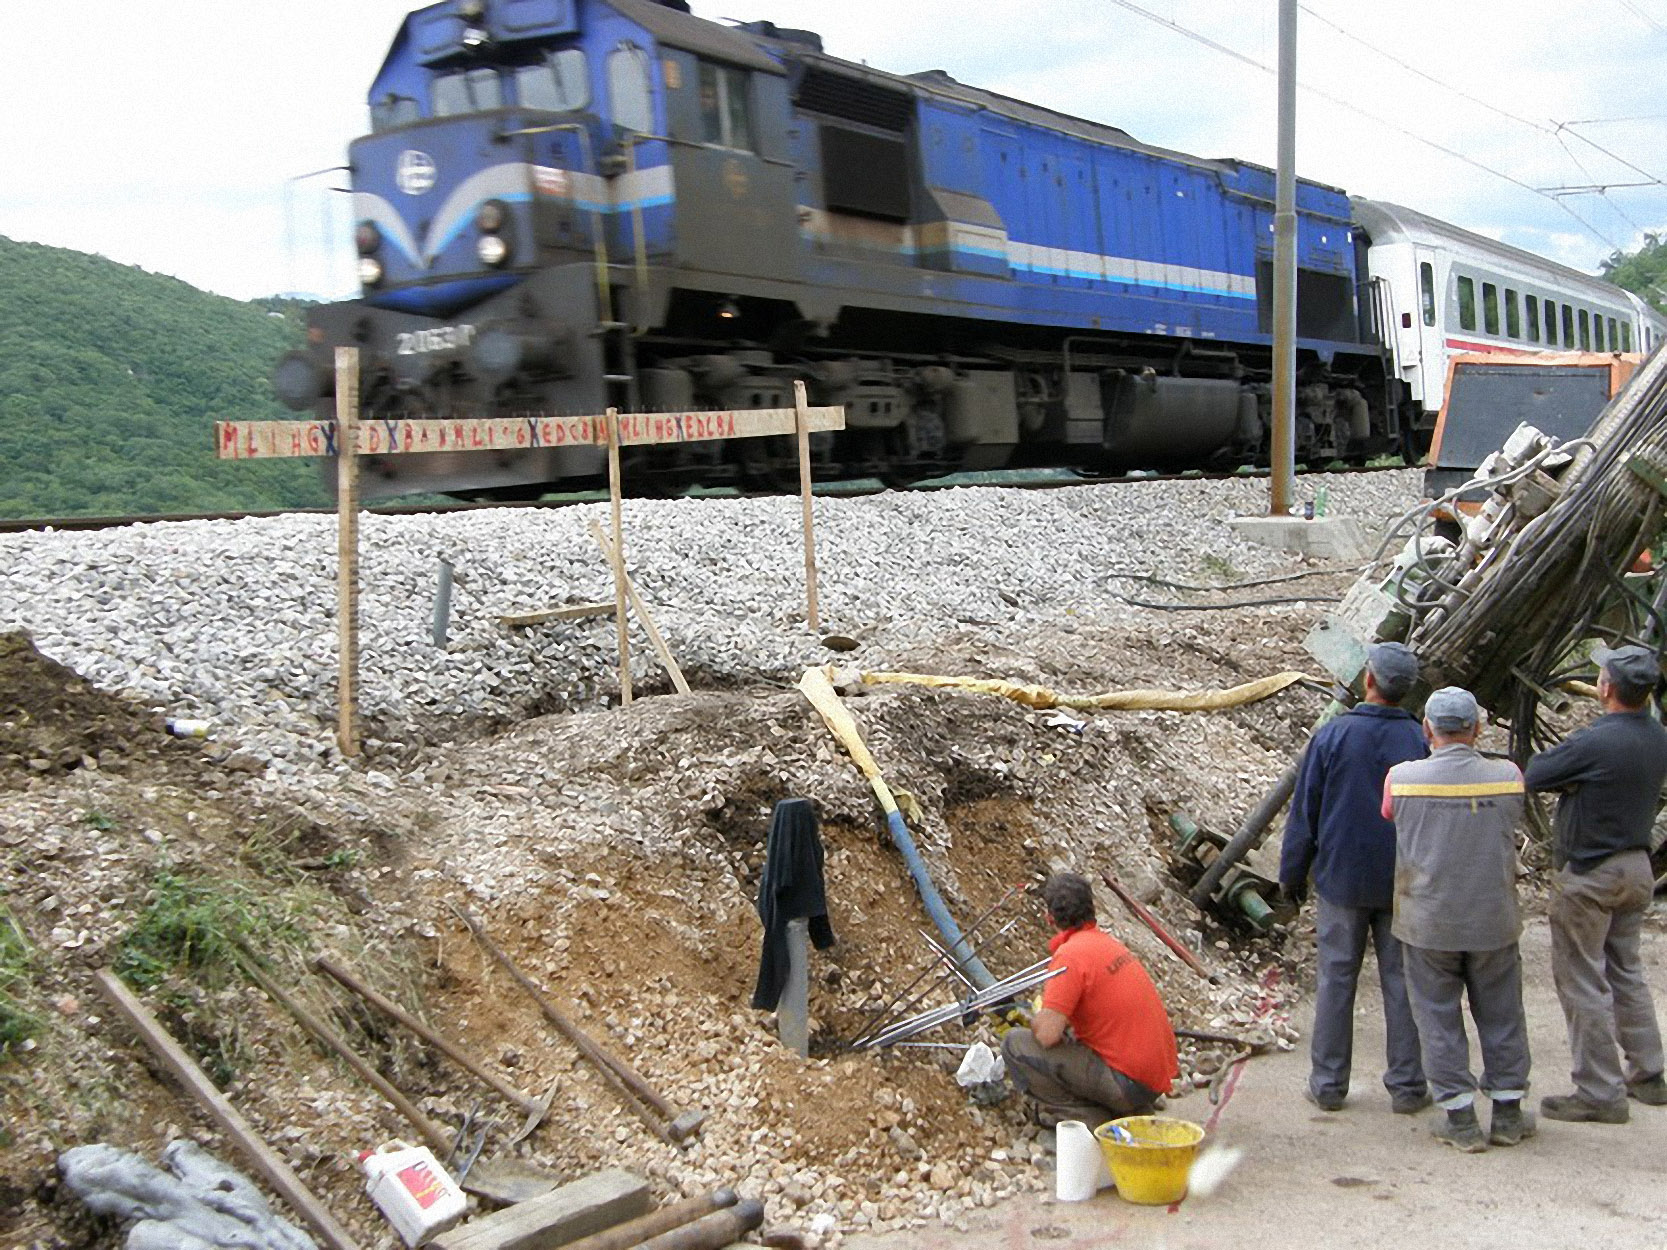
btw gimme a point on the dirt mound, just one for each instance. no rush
(52, 720)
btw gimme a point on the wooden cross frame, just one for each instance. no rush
(347, 438)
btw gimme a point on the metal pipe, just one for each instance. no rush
(1248, 835)
(711, 1232)
(1282, 454)
(442, 603)
(634, 1232)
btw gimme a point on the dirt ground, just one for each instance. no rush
(1365, 1177)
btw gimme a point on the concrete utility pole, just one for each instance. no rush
(1283, 457)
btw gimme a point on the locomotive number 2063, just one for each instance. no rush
(443, 339)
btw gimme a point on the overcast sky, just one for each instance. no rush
(171, 135)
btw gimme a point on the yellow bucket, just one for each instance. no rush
(1151, 1157)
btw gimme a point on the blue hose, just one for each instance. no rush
(958, 946)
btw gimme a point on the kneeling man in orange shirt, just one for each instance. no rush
(1101, 1045)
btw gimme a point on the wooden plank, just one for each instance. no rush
(568, 612)
(643, 614)
(802, 415)
(347, 553)
(267, 440)
(616, 557)
(261, 1157)
(576, 1210)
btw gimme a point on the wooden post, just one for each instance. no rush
(643, 614)
(618, 560)
(262, 1157)
(347, 549)
(804, 498)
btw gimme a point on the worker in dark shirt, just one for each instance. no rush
(1336, 831)
(1610, 775)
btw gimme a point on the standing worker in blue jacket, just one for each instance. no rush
(1336, 830)
(1610, 774)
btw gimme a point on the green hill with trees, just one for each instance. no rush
(111, 379)
(1643, 272)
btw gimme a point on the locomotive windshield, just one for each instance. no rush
(557, 83)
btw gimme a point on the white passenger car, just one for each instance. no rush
(1438, 289)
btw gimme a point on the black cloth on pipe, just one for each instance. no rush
(791, 888)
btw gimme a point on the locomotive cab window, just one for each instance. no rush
(393, 110)
(1490, 308)
(725, 118)
(1467, 304)
(558, 84)
(1531, 317)
(631, 89)
(1426, 291)
(470, 91)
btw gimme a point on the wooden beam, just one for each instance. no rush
(569, 612)
(616, 557)
(802, 414)
(261, 1157)
(641, 609)
(566, 1214)
(266, 440)
(347, 553)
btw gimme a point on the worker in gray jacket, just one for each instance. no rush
(1610, 775)
(1456, 816)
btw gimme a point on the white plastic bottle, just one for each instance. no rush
(410, 1187)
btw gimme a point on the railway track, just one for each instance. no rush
(1026, 479)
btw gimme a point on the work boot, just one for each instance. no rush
(1651, 1090)
(1325, 1102)
(1574, 1108)
(1407, 1103)
(1461, 1131)
(1510, 1124)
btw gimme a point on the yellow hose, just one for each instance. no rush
(1119, 700)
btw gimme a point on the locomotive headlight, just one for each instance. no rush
(491, 249)
(370, 271)
(491, 217)
(367, 237)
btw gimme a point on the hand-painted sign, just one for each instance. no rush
(265, 440)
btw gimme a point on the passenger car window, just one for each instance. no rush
(1426, 291)
(725, 118)
(1531, 312)
(630, 89)
(1513, 315)
(559, 83)
(471, 91)
(1614, 343)
(1467, 304)
(1551, 322)
(1490, 308)
(1626, 336)
(1568, 325)
(1585, 331)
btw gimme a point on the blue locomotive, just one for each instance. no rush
(566, 205)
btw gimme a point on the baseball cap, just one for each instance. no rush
(1633, 668)
(1452, 709)
(1395, 666)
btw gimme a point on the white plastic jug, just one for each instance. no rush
(1080, 1164)
(410, 1187)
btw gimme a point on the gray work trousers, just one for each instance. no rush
(1071, 1082)
(1341, 934)
(1595, 962)
(1437, 982)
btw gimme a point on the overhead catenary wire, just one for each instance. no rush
(1197, 37)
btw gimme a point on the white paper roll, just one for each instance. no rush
(1078, 1162)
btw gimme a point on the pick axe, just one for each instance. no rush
(536, 1108)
